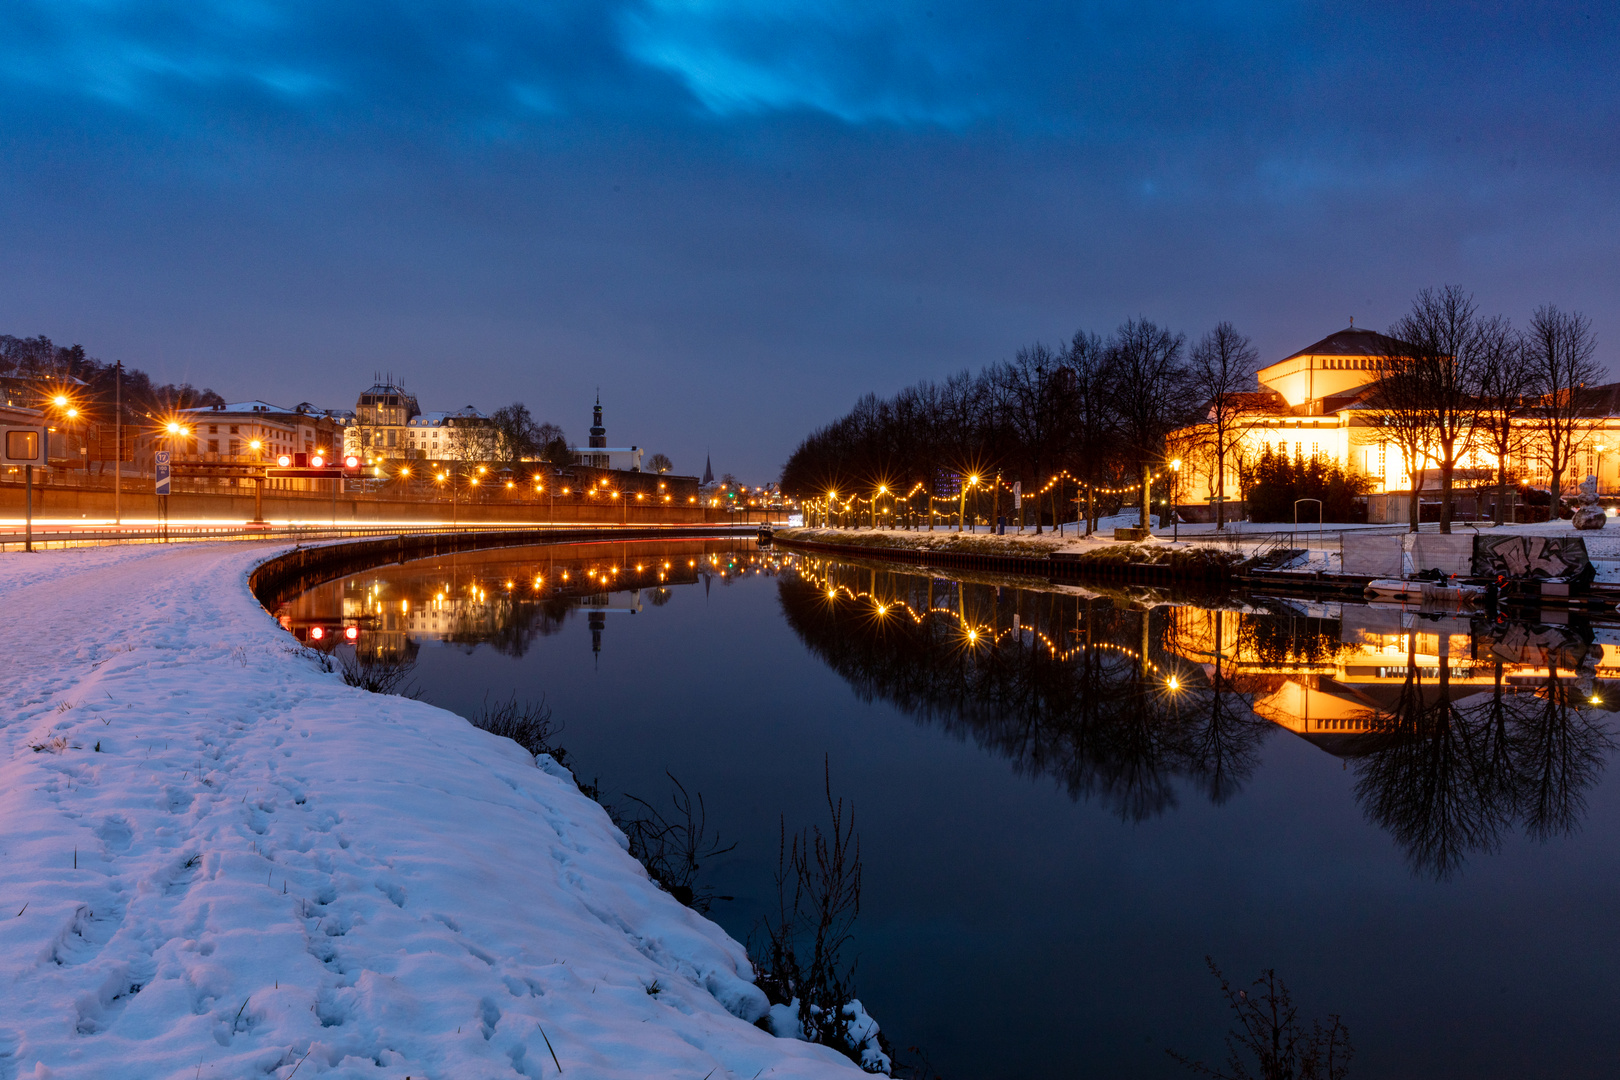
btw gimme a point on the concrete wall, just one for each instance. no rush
(58, 502)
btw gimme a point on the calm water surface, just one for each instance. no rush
(1066, 801)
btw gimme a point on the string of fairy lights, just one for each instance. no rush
(834, 503)
(972, 634)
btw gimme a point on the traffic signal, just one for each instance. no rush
(351, 462)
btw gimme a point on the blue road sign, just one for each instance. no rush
(161, 460)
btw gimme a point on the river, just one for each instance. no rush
(1067, 800)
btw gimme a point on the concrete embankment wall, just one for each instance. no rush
(66, 502)
(1041, 566)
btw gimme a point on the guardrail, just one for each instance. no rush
(13, 539)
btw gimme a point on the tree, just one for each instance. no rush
(1032, 401)
(1223, 367)
(1560, 347)
(1152, 394)
(660, 463)
(1398, 405)
(1507, 379)
(516, 433)
(1446, 365)
(553, 445)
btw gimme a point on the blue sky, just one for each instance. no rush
(737, 217)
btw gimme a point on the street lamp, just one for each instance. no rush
(1175, 490)
(961, 516)
(883, 489)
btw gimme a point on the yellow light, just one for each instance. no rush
(60, 400)
(173, 428)
(405, 472)
(255, 445)
(1176, 464)
(1596, 700)
(72, 414)
(509, 483)
(473, 481)
(1173, 683)
(832, 594)
(973, 635)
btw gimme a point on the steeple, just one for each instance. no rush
(708, 472)
(598, 432)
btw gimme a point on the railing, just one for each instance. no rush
(13, 537)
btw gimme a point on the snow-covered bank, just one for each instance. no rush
(222, 861)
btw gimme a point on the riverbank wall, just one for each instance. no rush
(1143, 564)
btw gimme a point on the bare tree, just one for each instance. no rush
(1506, 382)
(1398, 405)
(1560, 346)
(1152, 394)
(660, 463)
(1222, 371)
(1091, 420)
(1446, 364)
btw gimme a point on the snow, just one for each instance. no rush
(263, 870)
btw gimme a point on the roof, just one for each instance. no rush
(240, 407)
(1353, 341)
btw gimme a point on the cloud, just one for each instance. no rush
(859, 62)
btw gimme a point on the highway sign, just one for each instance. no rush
(160, 461)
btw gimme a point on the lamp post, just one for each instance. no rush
(1175, 491)
(881, 489)
(961, 516)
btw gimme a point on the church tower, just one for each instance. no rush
(598, 432)
(708, 472)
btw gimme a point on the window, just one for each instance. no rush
(213, 429)
(233, 430)
(392, 437)
(236, 447)
(213, 444)
(22, 445)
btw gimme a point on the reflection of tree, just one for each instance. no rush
(1450, 778)
(1064, 696)
(1558, 753)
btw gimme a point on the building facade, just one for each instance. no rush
(597, 454)
(1313, 404)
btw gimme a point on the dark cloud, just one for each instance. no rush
(735, 217)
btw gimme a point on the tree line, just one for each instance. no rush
(40, 361)
(1102, 414)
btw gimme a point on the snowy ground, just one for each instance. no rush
(217, 860)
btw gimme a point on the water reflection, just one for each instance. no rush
(505, 598)
(1459, 731)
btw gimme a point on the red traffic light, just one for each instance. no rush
(284, 461)
(351, 462)
(316, 461)
(351, 632)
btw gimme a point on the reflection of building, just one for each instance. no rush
(599, 455)
(1335, 671)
